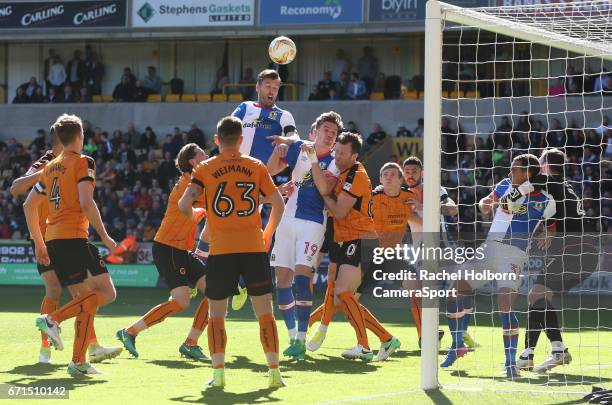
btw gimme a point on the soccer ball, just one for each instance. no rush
(282, 50)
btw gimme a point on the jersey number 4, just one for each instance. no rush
(223, 205)
(54, 195)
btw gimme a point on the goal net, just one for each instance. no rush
(503, 82)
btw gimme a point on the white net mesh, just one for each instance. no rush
(505, 95)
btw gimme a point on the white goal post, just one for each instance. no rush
(580, 27)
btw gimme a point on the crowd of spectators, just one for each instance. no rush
(135, 174)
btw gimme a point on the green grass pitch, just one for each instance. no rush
(160, 375)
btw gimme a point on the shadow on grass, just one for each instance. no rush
(554, 379)
(36, 369)
(219, 396)
(323, 364)
(438, 397)
(179, 364)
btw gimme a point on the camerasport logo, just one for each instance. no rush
(94, 14)
(42, 15)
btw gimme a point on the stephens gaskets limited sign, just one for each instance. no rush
(192, 13)
(63, 14)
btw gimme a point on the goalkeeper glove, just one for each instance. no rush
(512, 202)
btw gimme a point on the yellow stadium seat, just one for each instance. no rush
(235, 98)
(472, 94)
(188, 98)
(219, 98)
(377, 95)
(107, 99)
(203, 97)
(96, 99)
(411, 95)
(153, 98)
(173, 98)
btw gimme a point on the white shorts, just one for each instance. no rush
(501, 261)
(297, 241)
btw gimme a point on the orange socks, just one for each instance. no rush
(83, 327)
(268, 334)
(161, 312)
(217, 338)
(372, 324)
(351, 307)
(200, 320)
(316, 315)
(47, 306)
(415, 308)
(87, 302)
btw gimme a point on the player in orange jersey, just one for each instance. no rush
(67, 185)
(53, 288)
(176, 263)
(232, 184)
(390, 214)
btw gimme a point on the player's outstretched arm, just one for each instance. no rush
(22, 184)
(276, 164)
(487, 204)
(324, 181)
(91, 211)
(449, 207)
(278, 207)
(30, 209)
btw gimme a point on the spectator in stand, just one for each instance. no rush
(357, 89)
(573, 81)
(148, 140)
(131, 137)
(333, 95)
(128, 72)
(221, 80)
(94, 73)
(52, 97)
(124, 91)
(379, 85)
(556, 88)
(47, 68)
(248, 92)
(75, 70)
(325, 86)
(40, 141)
(91, 148)
(20, 96)
(140, 92)
(177, 141)
(377, 136)
(152, 81)
(39, 96)
(604, 128)
(352, 127)
(68, 96)
(143, 199)
(402, 131)
(419, 131)
(30, 87)
(341, 65)
(196, 135)
(57, 74)
(84, 96)
(603, 82)
(343, 86)
(314, 94)
(367, 67)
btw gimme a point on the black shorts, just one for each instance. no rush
(72, 258)
(177, 266)
(224, 272)
(355, 253)
(95, 264)
(328, 242)
(569, 261)
(41, 267)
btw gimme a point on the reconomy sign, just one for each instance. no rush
(403, 10)
(192, 13)
(290, 12)
(63, 14)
